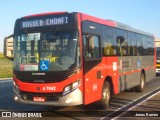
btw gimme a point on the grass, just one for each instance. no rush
(6, 74)
(1, 56)
(5, 67)
(6, 71)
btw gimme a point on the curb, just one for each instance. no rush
(6, 79)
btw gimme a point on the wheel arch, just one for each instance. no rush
(143, 71)
(109, 79)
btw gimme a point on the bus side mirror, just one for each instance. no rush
(8, 47)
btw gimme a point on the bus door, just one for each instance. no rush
(92, 68)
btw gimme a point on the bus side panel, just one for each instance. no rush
(149, 65)
(95, 77)
(128, 72)
(110, 69)
(130, 68)
(150, 73)
(93, 84)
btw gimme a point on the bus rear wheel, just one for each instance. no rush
(140, 87)
(106, 96)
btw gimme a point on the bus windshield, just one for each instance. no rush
(47, 51)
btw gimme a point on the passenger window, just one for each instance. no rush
(142, 44)
(109, 43)
(121, 38)
(132, 46)
(145, 44)
(150, 46)
(139, 44)
(91, 46)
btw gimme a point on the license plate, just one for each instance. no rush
(39, 99)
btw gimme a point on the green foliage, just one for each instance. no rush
(6, 75)
(2, 56)
(5, 68)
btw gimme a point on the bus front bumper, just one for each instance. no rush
(70, 99)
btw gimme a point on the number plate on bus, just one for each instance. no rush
(39, 99)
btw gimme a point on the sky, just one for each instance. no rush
(140, 14)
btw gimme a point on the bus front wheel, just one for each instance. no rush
(106, 96)
(140, 87)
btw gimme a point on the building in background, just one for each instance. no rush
(157, 44)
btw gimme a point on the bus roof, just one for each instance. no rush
(108, 22)
(43, 14)
(129, 28)
(113, 23)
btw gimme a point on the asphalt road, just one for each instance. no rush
(119, 100)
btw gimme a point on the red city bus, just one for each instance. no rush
(65, 59)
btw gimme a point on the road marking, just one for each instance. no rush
(6, 95)
(136, 105)
(144, 100)
(6, 86)
(103, 118)
(5, 81)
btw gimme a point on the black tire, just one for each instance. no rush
(106, 96)
(140, 87)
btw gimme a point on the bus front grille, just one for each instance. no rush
(47, 77)
(48, 96)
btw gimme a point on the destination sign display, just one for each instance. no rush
(45, 22)
(51, 22)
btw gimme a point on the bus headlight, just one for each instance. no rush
(67, 89)
(15, 98)
(17, 88)
(75, 84)
(14, 83)
(71, 87)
